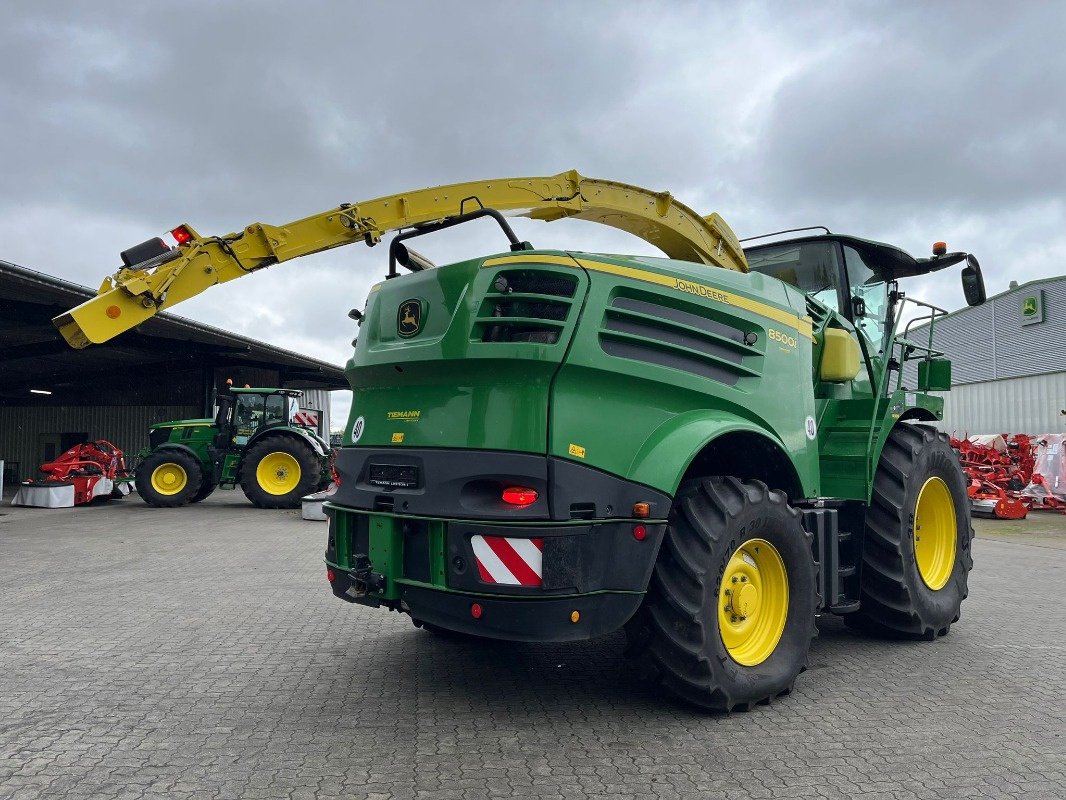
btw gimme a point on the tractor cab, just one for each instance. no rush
(245, 412)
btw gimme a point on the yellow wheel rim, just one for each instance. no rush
(753, 602)
(935, 531)
(278, 473)
(169, 478)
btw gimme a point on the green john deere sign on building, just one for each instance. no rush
(1032, 308)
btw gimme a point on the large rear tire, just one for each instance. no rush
(917, 551)
(168, 478)
(279, 470)
(729, 615)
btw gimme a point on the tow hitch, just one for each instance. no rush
(364, 579)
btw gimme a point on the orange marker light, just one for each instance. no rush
(575, 616)
(641, 510)
(939, 248)
(114, 312)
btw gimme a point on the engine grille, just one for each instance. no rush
(525, 306)
(642, 330)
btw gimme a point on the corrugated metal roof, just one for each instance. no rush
(33, 352)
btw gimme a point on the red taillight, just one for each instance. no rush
(181, 234)
(331, 576)
(475, 610)
(519, 496)
(640, 533)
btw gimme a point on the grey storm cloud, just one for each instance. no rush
(905, 122)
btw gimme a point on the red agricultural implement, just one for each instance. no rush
(86, 472)
(1009, 475)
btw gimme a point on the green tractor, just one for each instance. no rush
(708, 450)
(255, 440)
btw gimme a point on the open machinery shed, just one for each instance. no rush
(52, 396)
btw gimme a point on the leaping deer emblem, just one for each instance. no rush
(410, 318)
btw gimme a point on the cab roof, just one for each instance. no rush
(889, 261)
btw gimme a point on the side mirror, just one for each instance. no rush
(973, 283)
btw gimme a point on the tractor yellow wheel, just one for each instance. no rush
(753, 602)
(169, 478)
(278, 473)
(935, 532)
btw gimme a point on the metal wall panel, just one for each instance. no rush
(1017, 405)
(988, 342)
(319, 399)
(22, 428)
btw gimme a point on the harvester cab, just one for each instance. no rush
(706, 449)
(852, 287)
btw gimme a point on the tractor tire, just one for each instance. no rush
(916, 556)
(168, 478)
(729, 615)
(206, 488)
(278, 471)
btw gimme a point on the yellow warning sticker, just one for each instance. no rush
(576, 450)
(397, 438)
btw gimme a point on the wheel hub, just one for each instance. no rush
(753, 602)
(278, 473)
(744, 602)
(935, 531)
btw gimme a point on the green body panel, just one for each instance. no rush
(646, 421)
(642, 421)
(441, 388)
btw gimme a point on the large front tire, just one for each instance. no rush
(729, 615)
(916, 556)
(278, 471)
(168, 478)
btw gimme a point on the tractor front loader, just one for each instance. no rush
(255, 440)
(708, 449)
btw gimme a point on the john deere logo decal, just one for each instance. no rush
(409, 318)
(1029, 307)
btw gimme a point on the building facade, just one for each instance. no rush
(1008, 360)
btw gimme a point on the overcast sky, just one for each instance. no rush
(903, 122)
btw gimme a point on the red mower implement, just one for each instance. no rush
(86, 472)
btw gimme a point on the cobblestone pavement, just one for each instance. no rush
(197, 653)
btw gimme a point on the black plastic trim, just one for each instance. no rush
(466, 484)
(547, 620)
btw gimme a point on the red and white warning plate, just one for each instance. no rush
(507, 561)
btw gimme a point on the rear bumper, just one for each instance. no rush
(518, 620)
(432, 570)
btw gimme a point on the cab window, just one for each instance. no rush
(872, 295)
(275, 410)
(812, 267)
(248, 413)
